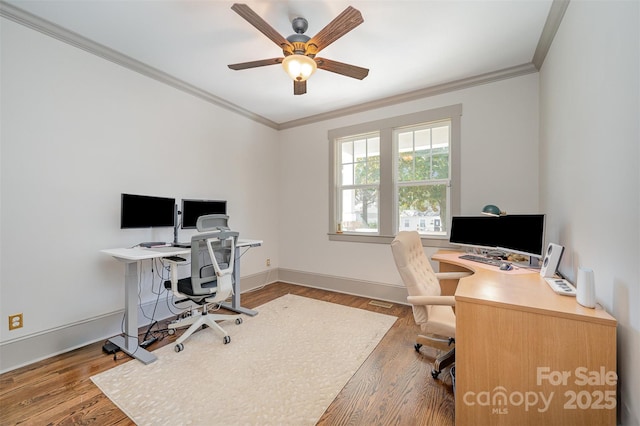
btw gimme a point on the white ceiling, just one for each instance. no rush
(408, 45)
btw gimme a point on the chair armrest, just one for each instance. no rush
(452, 275)
(432, 300)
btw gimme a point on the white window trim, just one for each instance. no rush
(387, 215)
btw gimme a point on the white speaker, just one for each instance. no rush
(551, 260)
(586, 292)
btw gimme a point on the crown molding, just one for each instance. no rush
(74, 39)
(416, 94)
(556, 13)
(29, 20)
(554, 18)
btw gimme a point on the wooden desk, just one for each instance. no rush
(527, 356)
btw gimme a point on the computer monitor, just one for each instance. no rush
(143, 211)
(522, 234)
(519, 233)
(475, 231)
(193, 209)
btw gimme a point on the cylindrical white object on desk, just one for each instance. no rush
(586, 291)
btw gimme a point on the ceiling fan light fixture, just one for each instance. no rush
(299, 67)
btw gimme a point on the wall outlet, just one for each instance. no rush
(268, 262)
(15, 321)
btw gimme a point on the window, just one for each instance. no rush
(359, 183)
(400, 173)
(422, 179)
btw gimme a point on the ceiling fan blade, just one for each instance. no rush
(255, 64)
(342, 68)
(299, 87)
(342, 24)
(261, 25)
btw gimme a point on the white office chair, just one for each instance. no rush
(210, 283)
(431, 311)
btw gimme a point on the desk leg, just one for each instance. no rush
(129, 343)
(235, 298)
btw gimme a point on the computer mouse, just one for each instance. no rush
(504, 266)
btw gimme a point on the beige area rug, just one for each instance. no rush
(282, 367)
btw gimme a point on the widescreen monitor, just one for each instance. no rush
(143, 211)
(193, 209)
(519, 233)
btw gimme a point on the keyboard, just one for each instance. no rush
(482, 259)
(561, 286)
(150, 244)
(175, 258)
(162, 249)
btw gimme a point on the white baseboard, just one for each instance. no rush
(20, 352)
(355, 287)
(33, 348)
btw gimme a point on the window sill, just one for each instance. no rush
(385, 239)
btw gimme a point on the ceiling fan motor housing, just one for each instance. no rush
(299, 40)
(299, 25)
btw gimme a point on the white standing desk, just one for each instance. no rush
(132, 257)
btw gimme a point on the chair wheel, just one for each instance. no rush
(171, 331)
(226, 339)
(435, 374)
(417, 346)
(179, 347)
(238, 321)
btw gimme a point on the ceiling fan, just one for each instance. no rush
(300, 51)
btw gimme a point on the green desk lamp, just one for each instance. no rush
(492, 210)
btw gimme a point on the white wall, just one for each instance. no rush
(589, 156)
(499, 166)
(77, 131)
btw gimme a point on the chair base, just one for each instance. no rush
(443, 361)
(199, 319)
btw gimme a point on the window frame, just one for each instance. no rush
(387, 202)
(353, 185)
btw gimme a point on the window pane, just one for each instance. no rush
(361, 171)
(347, 174)
(405, 167)
(373, 173)
(440, 136)
(360, 210)
(422, 207)
(347, 152)
(360, 150)
(373, 147)
(440, 166)
(422, 167)
(405, 142)
(423, 141)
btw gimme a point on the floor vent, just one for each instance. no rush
(381, 304)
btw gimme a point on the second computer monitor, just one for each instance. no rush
(193, 209)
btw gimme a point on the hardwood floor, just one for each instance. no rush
(393, 386)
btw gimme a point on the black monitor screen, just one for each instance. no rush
(522, 233)
(193, 209)
(476, 231)
(142, 211)
(517, 233)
